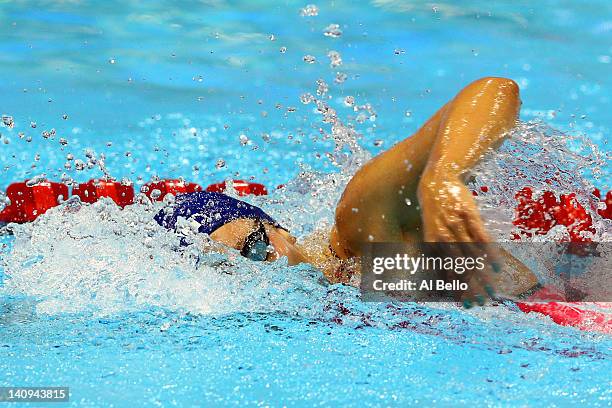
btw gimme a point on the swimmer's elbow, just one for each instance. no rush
(501, 84)
(508, 85)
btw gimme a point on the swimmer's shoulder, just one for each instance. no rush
(321, 253)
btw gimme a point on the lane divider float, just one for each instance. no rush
(29, 199)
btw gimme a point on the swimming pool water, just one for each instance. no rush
(167, 89)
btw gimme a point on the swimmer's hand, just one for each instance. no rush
(449, 215)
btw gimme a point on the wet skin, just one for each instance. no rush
(416, 190)
(282, 244)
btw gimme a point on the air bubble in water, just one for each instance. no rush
(349, 100)
(309, 59)
(378, 142)
(220, 164)
(244, 139)
(63, 142)
(283, 50)
(112, 61)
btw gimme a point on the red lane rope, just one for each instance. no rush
(28, 201)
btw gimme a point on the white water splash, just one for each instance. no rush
(544, 159)
(101, 259)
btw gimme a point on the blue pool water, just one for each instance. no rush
(93, 300)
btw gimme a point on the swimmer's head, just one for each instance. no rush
(234, 223)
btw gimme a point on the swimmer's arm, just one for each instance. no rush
(473, 123)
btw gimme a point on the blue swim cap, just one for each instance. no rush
(210, 210)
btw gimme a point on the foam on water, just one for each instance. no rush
(101, 259)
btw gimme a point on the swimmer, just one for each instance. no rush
(428, 168)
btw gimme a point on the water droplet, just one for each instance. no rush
(155, 194)
(335, 60)
(309, 59)
(310, 10)
(220, 164)
(65, 117)
(63, 142)
(398, 51)
(36, 180)
(306, 98)
(33, 125)
(8, 121)
(349, 100)
(271, 37)
(340, 77)
(378, 142)
(332, 30)
(111, 60)
(283, 50)
(408, 201)
(4, 201)
(243, 139)
(322, 87)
